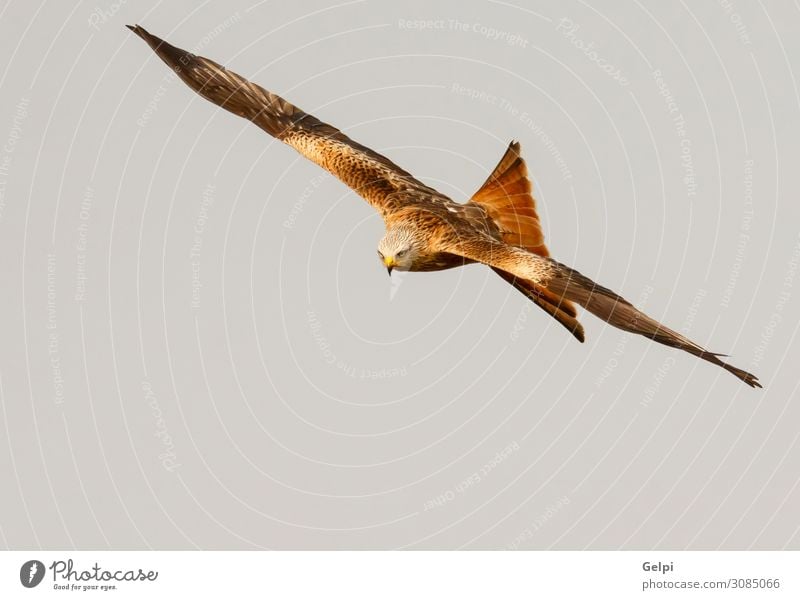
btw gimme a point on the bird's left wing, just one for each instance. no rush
(568, 284)
(374, 177)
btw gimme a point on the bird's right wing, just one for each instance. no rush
(374, 177)
(565, 283)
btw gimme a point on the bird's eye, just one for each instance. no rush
(401, 253)
(380, 254)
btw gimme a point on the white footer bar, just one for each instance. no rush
(389, 575)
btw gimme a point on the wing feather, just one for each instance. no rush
(371, 175)
(565, 283)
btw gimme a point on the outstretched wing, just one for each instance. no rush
(374, 177)
(564, 282)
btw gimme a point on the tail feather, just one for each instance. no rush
(620, 313)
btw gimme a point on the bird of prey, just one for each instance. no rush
(426, 230)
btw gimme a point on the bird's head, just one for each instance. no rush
(398, 248)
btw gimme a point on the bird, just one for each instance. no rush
(425, 229)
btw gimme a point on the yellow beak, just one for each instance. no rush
(389, 262)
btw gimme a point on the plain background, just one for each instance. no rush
(200, 348)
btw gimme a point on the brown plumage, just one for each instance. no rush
(506, 197)
(426, 230)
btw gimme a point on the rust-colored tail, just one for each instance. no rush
(507, 198)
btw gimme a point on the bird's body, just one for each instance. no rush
(426, 230)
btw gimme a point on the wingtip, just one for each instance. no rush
(173, 56)
(753, 381)
(141, 32)
(746, 377)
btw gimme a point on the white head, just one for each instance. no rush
(398, 248)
